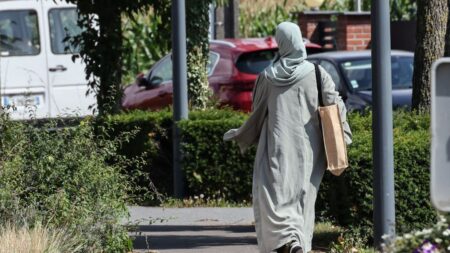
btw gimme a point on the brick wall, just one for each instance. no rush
(352, 30)
(309, 22)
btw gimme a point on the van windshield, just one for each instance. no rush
(19, 33)
(63, 24)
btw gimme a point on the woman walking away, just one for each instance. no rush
(290, 158)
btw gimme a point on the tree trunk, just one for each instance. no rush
(197, 28)
(110, 60)
(431, 29)
(447, 34)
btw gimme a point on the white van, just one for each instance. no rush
(37, 73)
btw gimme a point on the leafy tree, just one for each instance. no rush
(101, 47)
(431, 28)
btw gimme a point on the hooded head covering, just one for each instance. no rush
(291, 65)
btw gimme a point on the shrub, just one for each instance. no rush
(67, 178)
(152, 142)
(349, 198)
(216, 169)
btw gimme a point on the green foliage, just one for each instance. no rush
(400, 9)
(263, 22)
(142, 43)
(202, 201)
(349, 197)
(152, 143)
(199, 92)
(403, 9)
(341, 5)
(351, 241)
(260, 18)
(148, 40)
(102, 48)
(216, 169)
(197, 29)
(100, 45)
(68, 178)
(433, 239)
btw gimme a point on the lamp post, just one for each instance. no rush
(383, 154)
(180, 99)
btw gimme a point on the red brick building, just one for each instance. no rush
(337, 30)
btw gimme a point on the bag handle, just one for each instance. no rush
(319, 83)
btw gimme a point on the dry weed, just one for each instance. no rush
(38, 239)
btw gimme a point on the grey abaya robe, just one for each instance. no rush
(290, 159)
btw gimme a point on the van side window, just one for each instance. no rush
(63, 23)
(19, 33)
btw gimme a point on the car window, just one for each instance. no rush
(164, 68)
(359, 73)
(255, 62)
(212, 62)
(19, 33)
(63, 23)
(402, 72)
(331, 69)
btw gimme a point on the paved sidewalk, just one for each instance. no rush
(194, 230)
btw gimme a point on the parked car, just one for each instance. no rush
(36, 68)
(233, 67)
(351, 71)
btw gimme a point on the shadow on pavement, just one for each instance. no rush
(179, 228)
(191, 237)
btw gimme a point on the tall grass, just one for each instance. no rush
(37, 239)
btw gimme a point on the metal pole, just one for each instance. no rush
(383, 154)
(180, 99)
(357, 5)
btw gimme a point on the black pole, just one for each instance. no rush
(180, 99)
(383, 154)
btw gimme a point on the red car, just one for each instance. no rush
(233, 67)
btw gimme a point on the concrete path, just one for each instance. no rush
(193, 230)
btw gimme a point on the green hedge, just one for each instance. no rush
(152, 142)
(216, 169)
